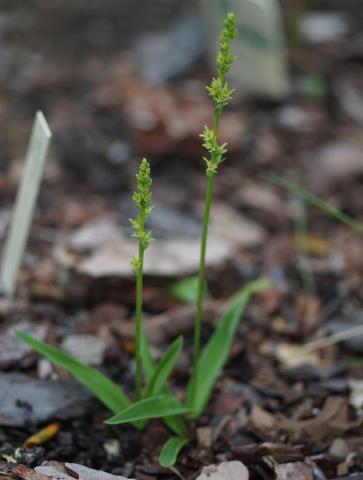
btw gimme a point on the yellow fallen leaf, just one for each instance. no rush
(8, 458)
(312, 244)
(43, 435)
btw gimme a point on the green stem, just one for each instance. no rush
(203, 250)
(201, 276)
(138, 327)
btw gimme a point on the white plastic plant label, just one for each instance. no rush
(24, 205)
(261, 65)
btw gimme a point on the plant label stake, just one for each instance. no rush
(260, 68)
(24, 204)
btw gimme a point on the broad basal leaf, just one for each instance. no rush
(217, 350)
(102, 387)
(171, 449)
(164, 405)
(176, 424)
(185, 290)
(164, 368)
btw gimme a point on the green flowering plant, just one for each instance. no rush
(142, 199)
(153, 397)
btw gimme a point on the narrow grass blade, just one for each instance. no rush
(217, 349)
(171, 450)
(185, 290)
(317, 202)
(176, 424)
(154, 407)
(25, 203)
(102, 387)
(164, 369)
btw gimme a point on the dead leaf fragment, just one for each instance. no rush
(235, 229)
(356, 393)
(261, 419)
(11, 471)
(293, 471)
(95, 233)
(13, 350)
(165, 258)
(68, 471)
(85, 473)
(332, 421)
(234, 470)
(254, 452)
(292, 355)
(89, 349)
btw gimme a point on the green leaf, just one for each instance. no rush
(160, 406)
(171, 450)
(217, 350)
(147, 360)
(176, 424)
(164, 369)
(102, 387)
(317, 202)
(185, 290)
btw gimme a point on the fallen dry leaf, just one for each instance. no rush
(172, 257)
(293, 471)
(356, 393)
(234, 470)
(95, 233)
(13, 350)
(69, 471)
(11, 471)
(159, 328)
(332, 420)
(233, 228)
(339, 160)
(262, 420)
(254, 452)
(292, 355)
(162, 118)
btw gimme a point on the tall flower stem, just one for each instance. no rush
(138, 326)
(142, 198)
(201, 274)
(221, 93)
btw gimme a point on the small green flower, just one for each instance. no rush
(142, 198)
(221, 93)
(229, 32)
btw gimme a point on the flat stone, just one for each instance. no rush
(25, 400)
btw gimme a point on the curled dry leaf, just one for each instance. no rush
(332, 420)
